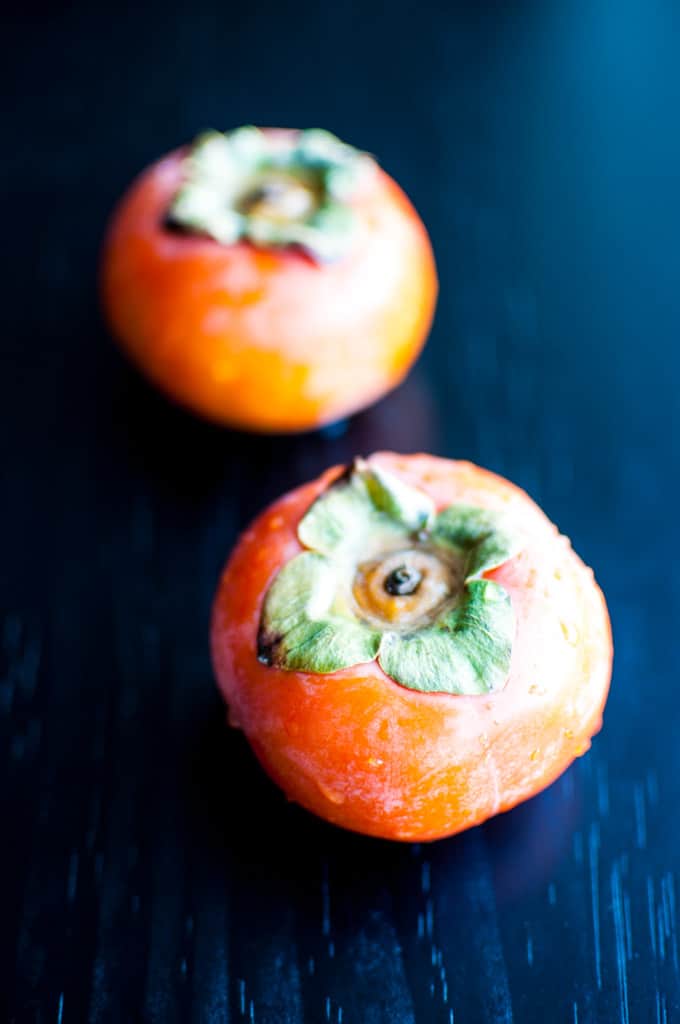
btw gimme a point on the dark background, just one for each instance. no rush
(149, 871)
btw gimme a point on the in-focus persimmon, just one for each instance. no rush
(410, 646)
(269, 280)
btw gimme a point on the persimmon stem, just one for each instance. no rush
(279, 199)
(403, 581)
(405, 589)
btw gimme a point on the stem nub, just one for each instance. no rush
(403, 581)
(279, 198)
(405, 589)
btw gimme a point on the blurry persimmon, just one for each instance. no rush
(269, 280)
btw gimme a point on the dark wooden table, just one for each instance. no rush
(149, 871)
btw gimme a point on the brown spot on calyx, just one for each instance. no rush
(172, 226)
(358, 465)
(345, 476)
(266, 647)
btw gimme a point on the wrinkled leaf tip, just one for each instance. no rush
(402, 502)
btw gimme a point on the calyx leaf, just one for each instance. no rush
(320, 172)
(479, 534)
(305, 622)
(465, 651)
(402, 503)
(313, 621)
(360, 509)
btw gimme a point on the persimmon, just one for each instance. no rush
(410, 646)
(269, 280)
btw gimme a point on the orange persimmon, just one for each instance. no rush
(365, 752)
(258, 331)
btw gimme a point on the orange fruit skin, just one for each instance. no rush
(365, 753)
(263, 339)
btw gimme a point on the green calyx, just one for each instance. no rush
(273, 190)
(384, 576)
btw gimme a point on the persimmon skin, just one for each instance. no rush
(365, 753)
(266, 339)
